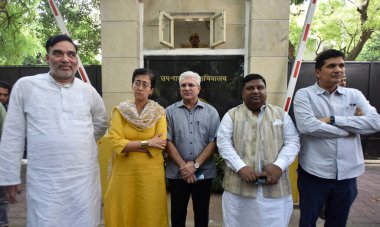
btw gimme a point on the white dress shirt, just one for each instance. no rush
(333, 151)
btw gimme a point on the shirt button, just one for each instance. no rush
(191, 132)
(191, 123)
(191, 142)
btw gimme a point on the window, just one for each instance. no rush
(217, 29)
(172, 27)
(166, 29)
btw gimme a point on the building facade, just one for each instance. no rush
(138, 33)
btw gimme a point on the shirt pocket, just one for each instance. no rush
(348, 110)
(202, 128)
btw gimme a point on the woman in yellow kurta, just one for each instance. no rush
(136, 193)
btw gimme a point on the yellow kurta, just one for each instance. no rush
(136, 193)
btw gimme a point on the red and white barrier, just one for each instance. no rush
(62, 27)
(300, 53)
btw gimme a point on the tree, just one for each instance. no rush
(345, 25)
(371, 51)
(18, 32)
(82, 18)
(25, 26)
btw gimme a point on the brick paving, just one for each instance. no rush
(365, 211)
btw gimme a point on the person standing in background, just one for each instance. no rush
(343, 80)
(5, 92)
(3, 198)
(194, 40)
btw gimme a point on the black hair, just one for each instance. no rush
(6, 85)
(56, 39)
(142, 71)
(253, 76)
(327, 54)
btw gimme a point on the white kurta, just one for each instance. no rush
(61, 124)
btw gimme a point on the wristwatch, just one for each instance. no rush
(332, 120)
(196, 165)
(144, 143)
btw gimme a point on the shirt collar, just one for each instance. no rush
(262, 108)
(198, 104)
(319, 90)
(61, 85)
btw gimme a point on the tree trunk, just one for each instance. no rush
(364, 36)
(291, 52)
(365, 33)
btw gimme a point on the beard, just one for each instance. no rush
(60, 75)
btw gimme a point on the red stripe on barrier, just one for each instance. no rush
(53, 7)
(81, 73)
(314, 1)
(297, 68)
(306, 32)
(287, 104)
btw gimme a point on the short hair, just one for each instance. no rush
(56, 39)
(327, 54)
(143, 71)
(253, 76)
(6, 85)
(190, 74)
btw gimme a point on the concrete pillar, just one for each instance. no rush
(120, 40)
(268, 45)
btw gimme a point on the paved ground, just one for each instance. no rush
(364, 213)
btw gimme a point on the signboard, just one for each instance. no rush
(221, 78)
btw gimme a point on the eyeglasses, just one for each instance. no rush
(59, 54)
(143, 84)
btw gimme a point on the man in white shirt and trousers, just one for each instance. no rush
(330, 119)
(258, 142)
(62, 117)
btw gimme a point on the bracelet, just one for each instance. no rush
(144, 143)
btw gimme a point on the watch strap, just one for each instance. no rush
(332, 120)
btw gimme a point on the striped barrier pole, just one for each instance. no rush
(300, 53)
(62, 27)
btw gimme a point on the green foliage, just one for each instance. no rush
(218, 180)
(82, 18)
(297, 2)
(371, 51)
(26, 25)
(18, 32)
(345, 25)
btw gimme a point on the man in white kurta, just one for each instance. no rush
(61, 117)
(257, 139)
